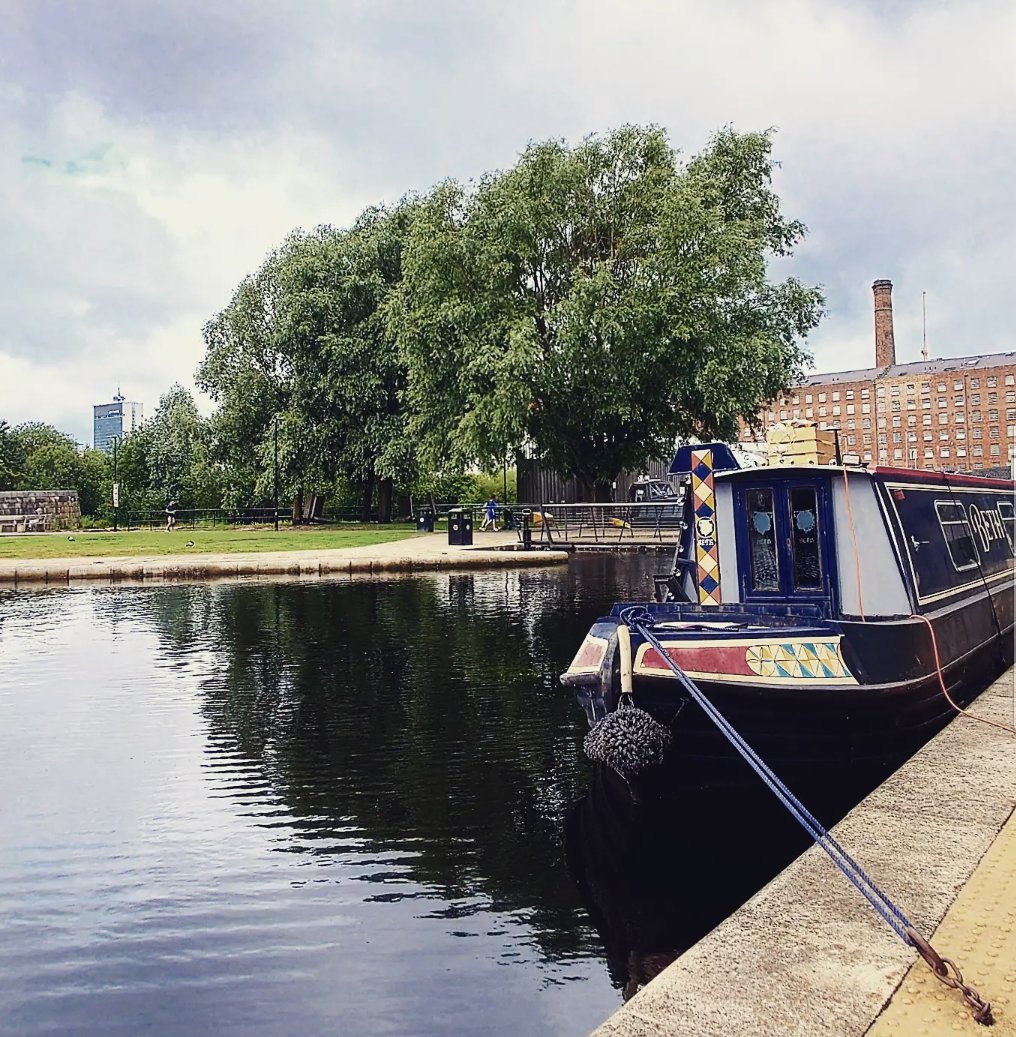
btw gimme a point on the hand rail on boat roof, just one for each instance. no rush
(928, 475)
(705, 624)
(802, 470)
(755, 630)
(806, 611)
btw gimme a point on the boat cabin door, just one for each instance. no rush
(784, 541)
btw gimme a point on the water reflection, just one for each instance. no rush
(272, 807)
(344, 807)
(657, 875)
(404, 714)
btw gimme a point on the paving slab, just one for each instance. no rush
(980, 928)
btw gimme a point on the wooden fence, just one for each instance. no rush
(542, 485)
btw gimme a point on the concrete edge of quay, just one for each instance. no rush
(416, 554)
(807, 955)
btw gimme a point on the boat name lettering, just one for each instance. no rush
(987, 525)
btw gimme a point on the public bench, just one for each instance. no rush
(22, 523)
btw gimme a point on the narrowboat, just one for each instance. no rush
(824, 610)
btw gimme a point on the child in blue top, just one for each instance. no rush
(490, 515)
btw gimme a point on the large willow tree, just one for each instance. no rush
(304, 346)
(596, 303)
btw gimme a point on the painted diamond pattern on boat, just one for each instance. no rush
(703, 494)
(709, 584)
(803, 660)
(706, 548)
(710, 564)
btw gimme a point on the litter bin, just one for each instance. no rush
(425, 522)
(460, 527)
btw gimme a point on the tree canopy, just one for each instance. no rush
(593, 304)
(247, 372)
(169, 457)
(587, 307)
(305, 342)
(36, 456)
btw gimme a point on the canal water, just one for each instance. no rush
(357, 807)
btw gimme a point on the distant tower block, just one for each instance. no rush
(112, 421)
(885, 343)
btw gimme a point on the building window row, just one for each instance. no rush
(951, 411)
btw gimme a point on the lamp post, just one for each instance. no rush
(275, 472)
(116, 485)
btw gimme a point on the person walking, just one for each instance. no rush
(490, 515)
(171, 516)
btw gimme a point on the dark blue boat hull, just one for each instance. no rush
(810, 734)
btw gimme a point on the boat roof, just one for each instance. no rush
(945, 478)
(908, 474)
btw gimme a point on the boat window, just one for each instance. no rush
(1005, 511)
(804, 538)
(958, 538)
(765, 575)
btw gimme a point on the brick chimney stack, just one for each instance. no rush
(885, 344)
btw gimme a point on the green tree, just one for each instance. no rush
(248, 372)
(51, 459)
(94, 483)
(349, 379)
(596, 303)
(133, 473)
(176, 448)
(306, 343)
(40, 457)
(12, 460)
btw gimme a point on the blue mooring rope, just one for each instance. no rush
(640, 619)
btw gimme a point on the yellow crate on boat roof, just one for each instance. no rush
(800, 443)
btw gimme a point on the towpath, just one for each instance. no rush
(421, 552)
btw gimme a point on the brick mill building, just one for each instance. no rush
(956, 413)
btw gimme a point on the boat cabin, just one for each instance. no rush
(849, 541)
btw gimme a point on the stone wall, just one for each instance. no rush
(36, 511)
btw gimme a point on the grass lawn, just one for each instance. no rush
(224, 540)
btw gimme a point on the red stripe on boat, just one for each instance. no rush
(729, 659)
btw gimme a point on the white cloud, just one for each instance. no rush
(127, 242)
(172, 174)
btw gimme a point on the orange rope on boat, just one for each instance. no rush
(945, 691)
(1010, 728)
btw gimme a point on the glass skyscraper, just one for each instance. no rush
(111, 420)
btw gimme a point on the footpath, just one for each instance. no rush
(417, 553)
(808, 957)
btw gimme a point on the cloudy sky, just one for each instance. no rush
(154, 152)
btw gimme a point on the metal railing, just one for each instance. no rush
(626, 524)
(548, 525)
(562, 525)
(194, 517)
(252, 516)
